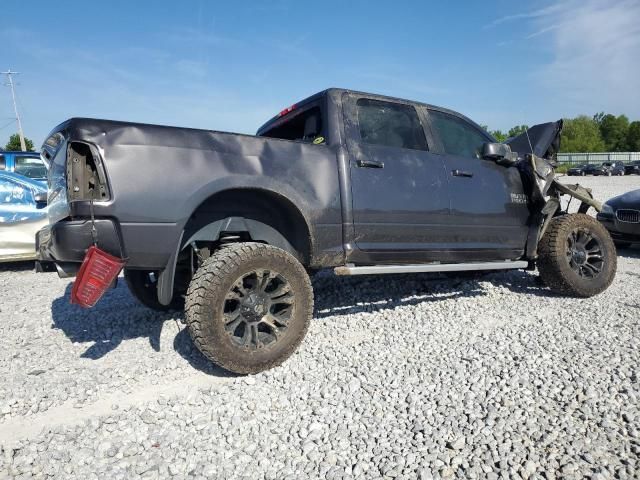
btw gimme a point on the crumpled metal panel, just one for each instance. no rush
(159, 175)
(542, 140)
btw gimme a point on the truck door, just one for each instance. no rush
(489, 211)
(399, 188)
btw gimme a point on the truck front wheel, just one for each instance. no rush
(248, 307)
(577, 256)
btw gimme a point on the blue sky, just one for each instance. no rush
(232, 65)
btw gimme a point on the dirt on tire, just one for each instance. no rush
(205, 300)
(554, 263)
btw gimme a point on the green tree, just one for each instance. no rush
(633, 137)
(14, 144)
(517, 130)
(598, 117)
(499, 135)
(581, 134)
(614, 132)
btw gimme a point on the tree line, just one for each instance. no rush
(600, 133)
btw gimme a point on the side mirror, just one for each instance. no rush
(499, 153)
(41, 199)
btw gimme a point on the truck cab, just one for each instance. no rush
(417, 188)
(27, 164)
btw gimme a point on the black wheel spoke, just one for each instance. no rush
(266, 278)
(257, 308)
(584, 253)
(232, 326)
(591, 268)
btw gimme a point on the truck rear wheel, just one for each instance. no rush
(577, 256)
(143, 285)
(248, 307)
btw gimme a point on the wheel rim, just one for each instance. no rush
(584, 253)
(258, 309)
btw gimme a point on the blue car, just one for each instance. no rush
(23, 211)
(27, 164)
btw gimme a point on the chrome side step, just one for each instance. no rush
(351, 269)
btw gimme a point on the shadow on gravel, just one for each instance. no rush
(118, 317)
(183, 344)
(22, 266)
(630, 252)
(348, 295)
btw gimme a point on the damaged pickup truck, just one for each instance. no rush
(230, 226)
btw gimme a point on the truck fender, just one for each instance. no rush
(258, 231)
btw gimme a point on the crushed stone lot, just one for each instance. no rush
(404, 376)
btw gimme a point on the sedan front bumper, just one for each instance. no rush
(621, 231)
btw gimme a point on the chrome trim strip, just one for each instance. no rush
(429, 267)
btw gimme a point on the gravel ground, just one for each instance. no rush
(399, 377)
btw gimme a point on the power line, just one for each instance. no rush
(9, 75)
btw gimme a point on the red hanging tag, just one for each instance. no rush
(96, 274)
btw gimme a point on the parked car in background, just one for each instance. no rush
(27, 164)
(579, 170)
(23, 211)
(609, 169)
(633, 168)
(621, 216)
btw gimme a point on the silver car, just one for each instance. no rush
(23, 211)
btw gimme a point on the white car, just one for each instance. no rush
(23, 211)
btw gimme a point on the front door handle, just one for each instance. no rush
(370, 164)
(461, 173)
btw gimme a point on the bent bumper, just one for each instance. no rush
(63, 245)
(623, 231)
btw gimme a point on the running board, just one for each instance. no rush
(351, 269)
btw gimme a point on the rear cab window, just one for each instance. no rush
(300, 124)
(3, 162)
(390, 124)
(30, 166)
(458, 137)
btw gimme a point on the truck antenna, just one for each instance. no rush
(9, 74)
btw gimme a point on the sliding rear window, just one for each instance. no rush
(303, 126)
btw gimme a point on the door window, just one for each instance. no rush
(31, 167)
(390, 124)
(458, 136)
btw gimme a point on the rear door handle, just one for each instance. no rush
(461, 173)
(370, 164)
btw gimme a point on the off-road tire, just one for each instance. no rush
(554, 264)
(146, 291)
(207, 294)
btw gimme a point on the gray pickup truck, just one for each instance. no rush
(230, 226)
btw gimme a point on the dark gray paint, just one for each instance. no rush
(410, 211)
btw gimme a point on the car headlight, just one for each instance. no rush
(606, 208)
(543, 168)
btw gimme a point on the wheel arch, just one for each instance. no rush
(266, 216)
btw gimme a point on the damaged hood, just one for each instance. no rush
(542, 140)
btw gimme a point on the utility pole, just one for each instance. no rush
(9, 74)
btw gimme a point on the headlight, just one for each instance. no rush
(543, 168)
(606, 208)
